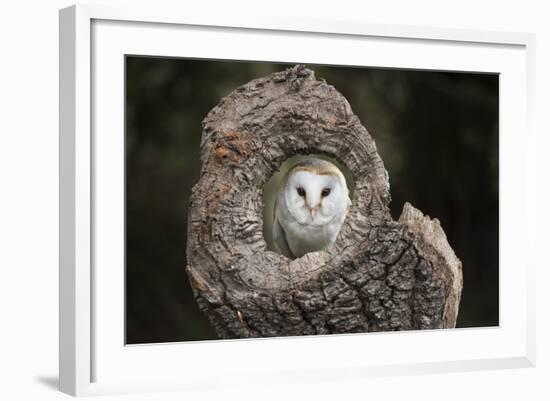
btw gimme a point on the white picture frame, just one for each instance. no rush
(93, 356)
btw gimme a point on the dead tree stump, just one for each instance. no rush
(379, 275)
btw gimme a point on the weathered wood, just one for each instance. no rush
(379, 275)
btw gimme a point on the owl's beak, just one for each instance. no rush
(313, 211)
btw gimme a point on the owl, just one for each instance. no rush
(310, 208)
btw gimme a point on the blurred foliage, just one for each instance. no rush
(437, 133)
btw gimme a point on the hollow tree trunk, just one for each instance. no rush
(379, 274)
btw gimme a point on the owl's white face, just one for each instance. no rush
(315, 199)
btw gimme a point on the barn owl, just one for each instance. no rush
(310, 208)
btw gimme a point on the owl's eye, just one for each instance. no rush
(325, 192)
(301, 191)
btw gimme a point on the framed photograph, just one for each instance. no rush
(290, 200)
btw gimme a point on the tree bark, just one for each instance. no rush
(379, 275)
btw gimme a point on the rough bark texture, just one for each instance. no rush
(379, 275)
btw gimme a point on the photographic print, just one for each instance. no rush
(269, 199)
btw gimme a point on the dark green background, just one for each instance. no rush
(437, 133)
